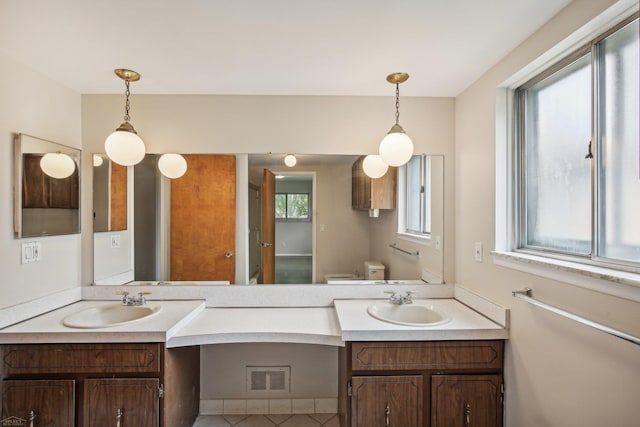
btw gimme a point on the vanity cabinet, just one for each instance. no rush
(43, 402)
(434, 383)
(395, 399)
(123, 401)
(368, 193)
(139, 384)
(466, 400)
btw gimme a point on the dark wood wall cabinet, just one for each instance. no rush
(421, 384)
(91, 385)
(368, 193)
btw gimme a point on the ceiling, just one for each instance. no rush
(268, 47)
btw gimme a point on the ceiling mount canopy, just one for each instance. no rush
(396, 147)
(124, 146)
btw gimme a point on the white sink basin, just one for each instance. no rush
(408, 314)
(105, 316)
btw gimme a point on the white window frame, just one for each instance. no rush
(402, 232)
(604, 279)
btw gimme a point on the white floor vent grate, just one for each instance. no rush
(268, 378)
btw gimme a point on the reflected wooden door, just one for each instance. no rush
(268, 250)
(203, 219)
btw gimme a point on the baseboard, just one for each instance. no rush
(268, 406)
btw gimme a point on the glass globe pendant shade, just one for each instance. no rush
(374, 167)
(57, 165)
(172, 165)
(396, 147)
(124, 146)
(290, 160)
(97, 160)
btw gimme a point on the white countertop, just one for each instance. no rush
(187, 322)
(465, 323)
(307, 325)
(48, 327)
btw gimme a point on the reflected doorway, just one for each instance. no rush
(281, 228)
(294, 228)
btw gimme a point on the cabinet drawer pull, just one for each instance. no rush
(32, 418)
(467, 415)
(387, 416)
(119, 416)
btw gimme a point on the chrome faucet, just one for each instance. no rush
(128, 299)
(398, 299)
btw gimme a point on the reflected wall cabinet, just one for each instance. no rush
(368, 193)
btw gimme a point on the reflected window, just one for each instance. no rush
(414, 217)
(292, 206)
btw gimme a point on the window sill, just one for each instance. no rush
(617, 283)
(420, 240)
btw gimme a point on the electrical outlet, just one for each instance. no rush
(37, 251)
(478, 252)
(115, 241)
(30, 252)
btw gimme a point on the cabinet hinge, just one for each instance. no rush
(349, 390)
(161, 391)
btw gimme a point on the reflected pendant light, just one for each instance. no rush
(290, 160)
(97, 160)
(374, 167)
(57, 165)
(172, 165)
(124, 146)
(396, 148)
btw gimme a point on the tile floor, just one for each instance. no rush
(313, 420)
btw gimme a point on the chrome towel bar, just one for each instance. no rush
(394, 246)
(526, 295)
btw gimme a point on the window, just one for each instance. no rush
(414, 216)
(578, 151)
(292, 206)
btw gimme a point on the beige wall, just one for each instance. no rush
(31, 103)
(558, 372)
(261, 124)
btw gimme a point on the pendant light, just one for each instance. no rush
(290, 160)
(172, 165)
(124, 146)
(57, 165)
(396, 148)
(374, 167)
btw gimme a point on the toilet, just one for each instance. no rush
(373, 270)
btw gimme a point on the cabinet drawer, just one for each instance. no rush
(80, 358)
(384, 356)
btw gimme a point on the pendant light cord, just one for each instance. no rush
(397, 103)
(127, 104)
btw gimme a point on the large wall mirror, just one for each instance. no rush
(110, 182)
(47, 188)
(209, 226)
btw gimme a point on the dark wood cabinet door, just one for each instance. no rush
(121, 402)
(466, 401)
(387, 401)
(48, 403)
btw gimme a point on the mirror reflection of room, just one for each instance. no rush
(47, 198)
(321, 234)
